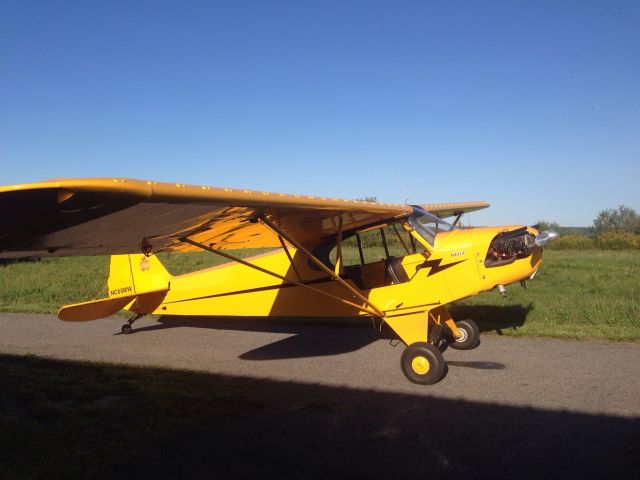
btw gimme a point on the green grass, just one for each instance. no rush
(42, 286)
(577, 294)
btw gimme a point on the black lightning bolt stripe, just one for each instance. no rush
(436, 267)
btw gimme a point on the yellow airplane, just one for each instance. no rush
(426, 262)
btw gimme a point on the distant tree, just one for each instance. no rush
(368, 199)
(584, 231)
(545, 225)
(622, 219)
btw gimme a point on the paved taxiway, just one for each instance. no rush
(329, 401)
(585, 377)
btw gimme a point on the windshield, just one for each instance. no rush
(428, 225)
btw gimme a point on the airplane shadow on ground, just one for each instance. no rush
(314, 337)
(129, 422)
(308, 337)
(492, 317)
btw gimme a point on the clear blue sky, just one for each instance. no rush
(533, 106)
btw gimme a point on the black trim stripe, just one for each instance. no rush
(252, 290)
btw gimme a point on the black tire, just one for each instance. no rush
(470, 337)
(422, 363)
(443, 344)
(126, 329)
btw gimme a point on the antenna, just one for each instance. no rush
(404, 187)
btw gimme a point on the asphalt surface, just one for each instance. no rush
(590, 377)
(514, 406)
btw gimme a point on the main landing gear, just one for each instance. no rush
(469, 337)
(126, 328)
(423, 363)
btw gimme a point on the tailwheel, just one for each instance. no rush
(422, 363)
(469, 335)
(126, 328)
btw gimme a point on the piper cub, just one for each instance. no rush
(426, 262)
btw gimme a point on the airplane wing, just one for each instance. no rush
(116, 216)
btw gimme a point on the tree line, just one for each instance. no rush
(613, 229)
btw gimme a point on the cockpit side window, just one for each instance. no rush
(377, 244)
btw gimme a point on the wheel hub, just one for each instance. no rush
(463, 335)
(420, 365)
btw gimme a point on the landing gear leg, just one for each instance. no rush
(438, 337)
(126, 328)
(461, 335)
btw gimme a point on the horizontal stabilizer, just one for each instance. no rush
(145, 302)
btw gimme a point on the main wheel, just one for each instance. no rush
(126, 329)
(469, 335)
(422, 363)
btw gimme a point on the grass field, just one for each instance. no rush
(577, 294)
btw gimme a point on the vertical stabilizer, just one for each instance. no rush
(131, 274)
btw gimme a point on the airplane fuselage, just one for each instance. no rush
(453, 269)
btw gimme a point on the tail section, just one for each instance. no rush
(136, 283)
(134, 274)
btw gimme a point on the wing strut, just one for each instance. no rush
(323, 267)
(286, 250)
(373, 311)
(339, 267)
